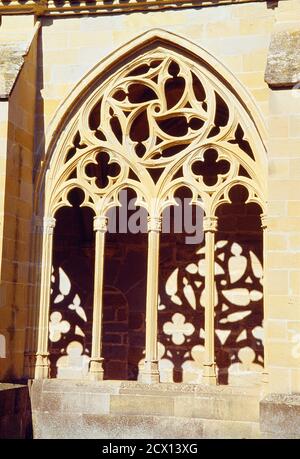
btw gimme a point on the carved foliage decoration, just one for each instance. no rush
(160, 123)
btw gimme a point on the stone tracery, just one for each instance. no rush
(158, 124)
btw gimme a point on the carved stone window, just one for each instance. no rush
(161, 122)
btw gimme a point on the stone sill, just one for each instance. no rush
(58, 8)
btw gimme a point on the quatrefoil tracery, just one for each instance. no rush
(103, 171)
(210, 167)
(160, 123)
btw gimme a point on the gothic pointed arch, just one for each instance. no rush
(192, 111)
(158, 115)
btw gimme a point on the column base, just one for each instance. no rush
(150, 372)
(96, 372)
(41, 366)
(209, 374)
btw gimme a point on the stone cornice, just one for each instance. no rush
(61, 7)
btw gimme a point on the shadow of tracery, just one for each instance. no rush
(238, 300)
(238, 294)
(71, 291)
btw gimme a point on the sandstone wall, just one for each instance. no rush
(17, 195)
(237, 35)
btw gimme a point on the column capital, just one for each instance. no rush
(210, 224)
(154, 224)
(48, 225)
(100, 223)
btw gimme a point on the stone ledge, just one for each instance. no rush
(136, 387)
(280, 416)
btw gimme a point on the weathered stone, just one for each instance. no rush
(280, 415)
(52, 401)
(96, 403)
(11, 61)
(139, 404)
(168, 389)
(140, 426)
(39, 387)
(283, 63)
(135, 410)
(212, 406)
(51, 426)
(230, 429)
(56, 425)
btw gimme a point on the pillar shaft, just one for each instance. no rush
(209, 373)
(96, 363)
(33, 306)
(150, 372)
(264, 225)
(42, 362)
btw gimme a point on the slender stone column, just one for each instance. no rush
(42, 362)
(264, 225)
(33, 299)
(96, 371)
(150, 372)
(209, 373)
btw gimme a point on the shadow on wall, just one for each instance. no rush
(238, 299)
(72, 291)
